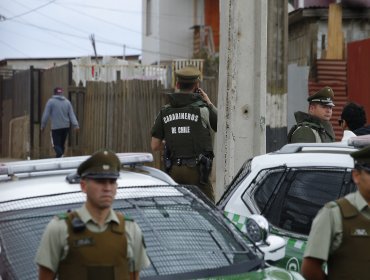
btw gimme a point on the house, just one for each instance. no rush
(177, 29)
(320, 35)
(10, 65)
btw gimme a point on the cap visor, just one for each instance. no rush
(101, 175)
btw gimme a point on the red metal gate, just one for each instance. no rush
(358, 73)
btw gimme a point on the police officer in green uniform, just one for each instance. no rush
(340, 233)
(93, 242)
(314, 126)
(183, 128)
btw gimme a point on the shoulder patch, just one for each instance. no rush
(331, 204)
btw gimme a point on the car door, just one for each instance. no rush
(291, 205)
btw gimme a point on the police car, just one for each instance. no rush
(185, 235)
(288, 187)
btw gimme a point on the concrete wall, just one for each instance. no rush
(297, 91)
(170, 24)
(40, 64)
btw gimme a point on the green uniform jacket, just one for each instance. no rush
(186, 125)
(310, 129)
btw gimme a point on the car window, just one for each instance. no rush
(242, 173)
(290, 200)
(182, 233)
(266, 183)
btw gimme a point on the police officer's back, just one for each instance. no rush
(184, 126)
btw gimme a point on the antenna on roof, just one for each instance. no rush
(92, 39)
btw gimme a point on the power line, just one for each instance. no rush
(30, 11)
(86, 38)
(120, 26)
(161, 15)
(105, 41)
(13, 48)
(61, 22)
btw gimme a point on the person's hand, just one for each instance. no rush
(76, 129)
(42, 129)
(204, 96)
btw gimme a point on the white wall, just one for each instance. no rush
(40, 64)
(171, 36)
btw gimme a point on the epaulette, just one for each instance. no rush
(198, 103)
(331, 204)
(128, 218)
(310, 125)
(62, 216)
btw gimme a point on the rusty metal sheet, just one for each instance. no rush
(359, 73)
(332, 73)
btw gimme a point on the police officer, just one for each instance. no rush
(314, 126)
(340, 233)
(185, 126)
(93, 242)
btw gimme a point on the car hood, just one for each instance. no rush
(269, 273)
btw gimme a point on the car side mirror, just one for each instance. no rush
(258, 230)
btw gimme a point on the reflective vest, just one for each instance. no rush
(93, 256)
(352, 259)
(185, 135)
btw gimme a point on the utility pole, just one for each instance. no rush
(96, 73)
(277, 75)
(241, 130)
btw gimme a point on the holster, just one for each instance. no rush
(167, 159)
(205, 167)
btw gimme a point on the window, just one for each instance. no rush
(293, 202)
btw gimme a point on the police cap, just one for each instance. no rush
(324, 96)
(103, 164)
(188, 74)
(362, 158)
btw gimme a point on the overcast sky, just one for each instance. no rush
(61, 28)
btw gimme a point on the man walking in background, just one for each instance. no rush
(59, 110)
(315, 126)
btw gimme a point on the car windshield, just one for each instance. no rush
(182, 233)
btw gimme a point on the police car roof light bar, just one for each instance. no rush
(40, 165)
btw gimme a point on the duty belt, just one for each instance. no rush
(185, 161)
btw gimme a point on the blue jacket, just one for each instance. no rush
(59, 110)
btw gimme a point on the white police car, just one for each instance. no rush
(288, 187)
(185, 235)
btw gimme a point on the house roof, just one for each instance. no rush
(322, 13)
(5, 61)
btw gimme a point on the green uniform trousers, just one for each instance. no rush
(191, 176)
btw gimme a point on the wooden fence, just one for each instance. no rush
(116, 115)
